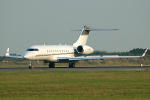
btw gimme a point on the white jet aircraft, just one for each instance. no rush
(66, 53)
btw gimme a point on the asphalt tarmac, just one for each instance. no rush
(118, 68)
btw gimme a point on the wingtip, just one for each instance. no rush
(7, 53)
(144, 52)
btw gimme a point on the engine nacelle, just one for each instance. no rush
(84, 49)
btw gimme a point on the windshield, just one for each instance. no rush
(32, 49)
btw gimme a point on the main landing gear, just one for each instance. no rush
(71, 65)
(51, 65)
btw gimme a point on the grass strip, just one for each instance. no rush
(75, 85)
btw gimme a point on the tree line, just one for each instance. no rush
(133, 52)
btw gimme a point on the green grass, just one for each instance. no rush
(68, 85)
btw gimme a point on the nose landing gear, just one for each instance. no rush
(30, 65)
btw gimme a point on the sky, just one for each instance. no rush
(24, 23)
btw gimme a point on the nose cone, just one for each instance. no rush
(27, 55)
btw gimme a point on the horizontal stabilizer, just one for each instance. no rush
(97, 30)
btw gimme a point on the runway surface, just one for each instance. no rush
(124, 68)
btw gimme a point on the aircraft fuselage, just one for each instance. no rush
(52, 52)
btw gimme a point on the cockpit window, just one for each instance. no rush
(32, 49)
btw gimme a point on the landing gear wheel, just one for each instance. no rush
(51, 65)
(71, 65)
(30, 65)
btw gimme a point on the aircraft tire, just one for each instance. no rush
(30, 67)
(71, 65)
(51, 65)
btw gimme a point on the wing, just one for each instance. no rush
(99, 57)
(14, 56)
(8, 55)
(102, 57)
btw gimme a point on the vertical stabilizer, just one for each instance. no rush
(83, 37)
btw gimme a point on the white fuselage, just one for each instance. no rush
(52, 52)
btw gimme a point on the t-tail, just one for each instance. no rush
(84, 35)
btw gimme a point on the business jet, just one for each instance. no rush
(66, 53)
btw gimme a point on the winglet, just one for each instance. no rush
(7, 53)
(144, 53)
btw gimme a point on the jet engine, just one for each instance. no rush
(84, 49)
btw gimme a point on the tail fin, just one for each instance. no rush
(83, 37)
